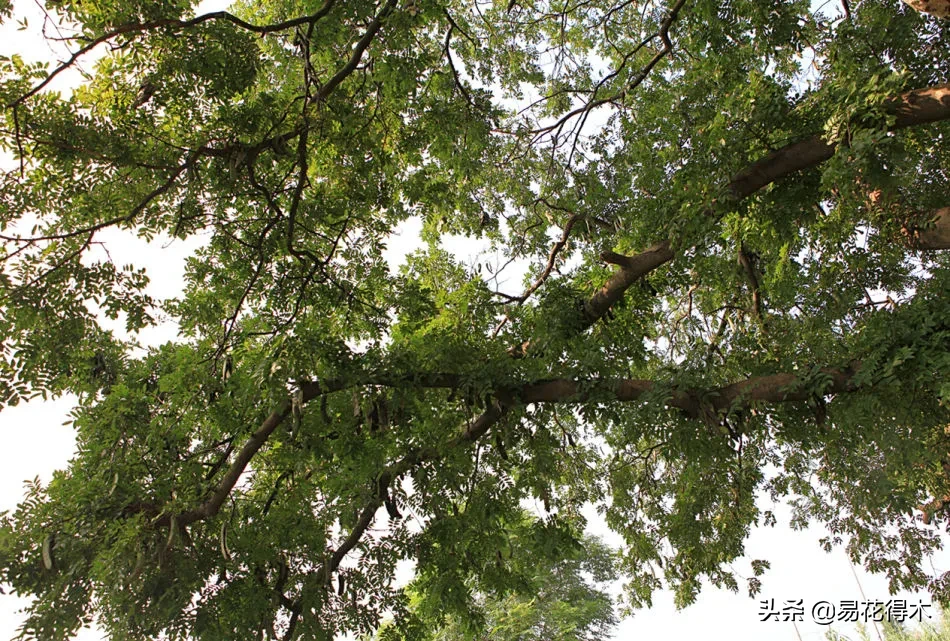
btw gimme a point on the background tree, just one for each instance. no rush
(731, 217)
(564, 597)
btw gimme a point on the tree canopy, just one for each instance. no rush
(711, 270)
(560, 596)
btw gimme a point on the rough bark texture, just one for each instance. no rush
(936, 236)
(632, 269)
(936, 8)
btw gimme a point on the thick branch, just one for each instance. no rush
(631, 270)
(935, 236)
(221, 493)
(913, 108)
(918, 107)
(256, 441)
(770, 388)
(775, 388)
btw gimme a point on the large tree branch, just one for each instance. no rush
(308, 391)
(632, 268)
(358, 52)
(934, 236)
(917, 107)
(913, 108)
(703, 404)
(773, 388)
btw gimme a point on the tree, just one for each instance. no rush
(553, 600)
(731, 216)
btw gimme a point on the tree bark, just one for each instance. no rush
(936, 236)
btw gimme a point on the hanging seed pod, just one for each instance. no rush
(391, 507)
(223, 541)
(48, 543)
(296, 411)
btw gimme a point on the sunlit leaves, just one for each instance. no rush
(334, 405)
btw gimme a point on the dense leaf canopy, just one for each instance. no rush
(559, 597)
(710, 271)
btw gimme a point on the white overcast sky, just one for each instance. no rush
(37, 442)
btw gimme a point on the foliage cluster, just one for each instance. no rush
(731, 218)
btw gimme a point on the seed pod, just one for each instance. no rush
(500, 446)
(391, 507)
(48, 543)
(296, 410)
(172, 528)
(227, 369)
(382, 409)
(139, 563)
(223, 541)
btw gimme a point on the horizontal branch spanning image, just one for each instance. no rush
(456, 277)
